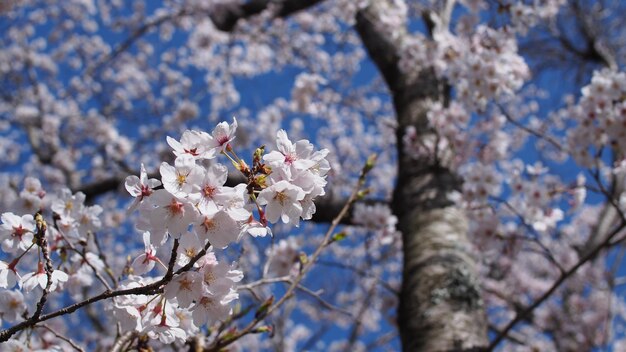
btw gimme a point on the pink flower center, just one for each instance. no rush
(186, 284)
(290, 158)
(18, 231)
(208, 224)
(208, 191)
(145, 191)
(175, 207)
(222, 139)
(192, 151)
(206, 301)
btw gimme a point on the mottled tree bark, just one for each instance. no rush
(440, 302)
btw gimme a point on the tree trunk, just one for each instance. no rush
(440, 302)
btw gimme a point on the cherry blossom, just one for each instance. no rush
(211, 187)
(8, 275)
(40, 278)
(517, 192)
(140, 187)
(283, 201)
(183, 178)
(218, 228)
(223, 135)
(295, 156)
(12, 305)
(188, 248)
(168, 215)
(193, 143)
(284, 257)
(145, 261)
(186, 288)
(16, 232)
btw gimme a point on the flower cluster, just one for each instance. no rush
(191, 203)
(482, 64)
(190, 300)
(197, 208)
(73, 223)
(379, 219)
(525, 16)
(22, 237)
(600, 116)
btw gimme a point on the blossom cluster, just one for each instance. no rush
(379, 219)
(525, 16)
(197, 208)
(192, 204)
(22, 235)
(482, 64)
(600, 116)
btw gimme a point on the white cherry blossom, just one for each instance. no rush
(183, 178)
(140, 187)
(223, 134)
(12, 305)
(194, 143)
(40, 278)
(16, 232)
(282, 200)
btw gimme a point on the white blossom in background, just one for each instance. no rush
(12, 305)
(305, 88)
(378, 218)
(283, 257)
(600, 117)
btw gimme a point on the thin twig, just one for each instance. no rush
(536, 238)
(362, 273)
(43, 244)
(66, 339)
(288, 280)
(356, 328)
(84, 257)
(103, 257)
(535, 133)
(323, 302)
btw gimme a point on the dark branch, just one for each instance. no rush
(226, 15)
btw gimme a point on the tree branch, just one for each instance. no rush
(151, 289)
(521, 315)
(226, 15)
